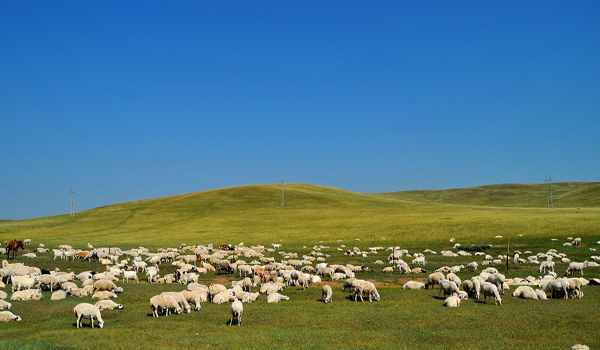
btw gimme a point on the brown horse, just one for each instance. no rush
(13, 245)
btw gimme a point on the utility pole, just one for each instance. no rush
(282, 202)
(72, 212)
(507, 253)
(548, 182)
(550, 185)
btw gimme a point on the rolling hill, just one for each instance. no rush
(323, 214)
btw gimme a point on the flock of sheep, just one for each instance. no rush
(255, 269)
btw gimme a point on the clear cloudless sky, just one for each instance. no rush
(129, 100)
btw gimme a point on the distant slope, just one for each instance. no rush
(318, 215)
(564, 195)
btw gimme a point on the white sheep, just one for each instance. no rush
(5, 305)
(326, 293)
(529, 294)
(541, 294)
(498, 279)
(276, 297)
(108, 305)
(519, 290)
(104, 294)
(6, 316)
(490, 290)
(448, 287)
(452, 301)
(250, 297)
(164, 303)
(130, 275)
(59, 295)
(546, 265)
(472, 266)
(28, 294)
(368, 288)
(434, 279)
(413, 285)
(575, 267)
(237, 309)
(89, 311)
(180, 299)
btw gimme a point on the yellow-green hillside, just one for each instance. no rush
(312, 214)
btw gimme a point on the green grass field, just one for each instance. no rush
(316, 215)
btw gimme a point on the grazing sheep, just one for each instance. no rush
(490, 290)
(412, 285)
(6, 316)
(575, 267)
(498, 279)
(448, 287)
(237, 309)
(276, 297)
(108, 305)
(106, 285)
(558, 288)
(48, 281)
(164, 303)
(130, 275)
(472, 266)
(179, 298)
(89, 311)
(434, 279)
(326, 293)
(348, 284)
(368, 288)
(541, 294)
(5, 305)
(546, 265)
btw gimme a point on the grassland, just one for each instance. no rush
(316, 215)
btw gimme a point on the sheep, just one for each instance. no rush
(165, 303)
(89, 311)
(237, 309)
(192, 298)
(575, 267)
(490, 290)
(5, 305)
(59, 295)
(302, 282)
(105, 294)
(78, 292)
(276, 297)
(108, 305)
(46, 281)
(130, 275)
(365, 287)
(498, 279)
(469, 287)
(179, 298)
(558, 288)
(348, 284)
(223, 297)
(541, 294)
(215, 289)
(28, 294)
(388, 269)
(418, 270)
(529, 294)
(517, 293)
(448, 287)
(546, 265)
(452, 301)
(6, 316)
(326, 293)
(472, 266)
(580, 347)
(433, 279)
(106, 285)
(250, 297)
(23, 282)
(413, 285)
(3, 294)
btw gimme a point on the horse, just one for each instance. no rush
(13, 245)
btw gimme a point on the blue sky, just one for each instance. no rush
(142, 99)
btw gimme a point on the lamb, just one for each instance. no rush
(6, 316)
(413, 285)
(165, 303)
(237, 309)
(59, 295)
(5, 305)
(448, 287)
(326, 293)
(490, 290)
(434, 279)
(108, 305)
(89, 311)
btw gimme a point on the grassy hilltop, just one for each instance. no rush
(316, 213)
